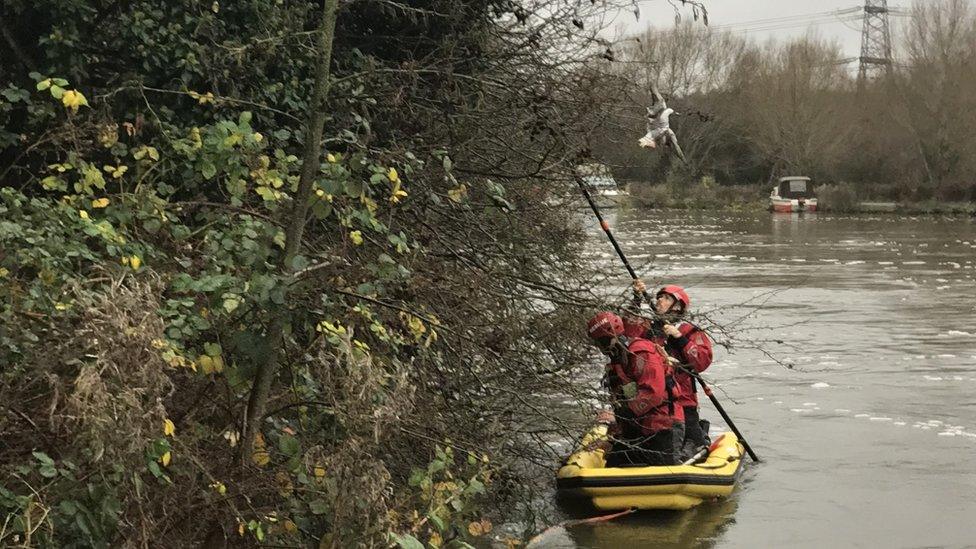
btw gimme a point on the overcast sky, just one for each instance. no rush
(762, 19)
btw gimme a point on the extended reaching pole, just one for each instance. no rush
(708, 391)
(606, 229)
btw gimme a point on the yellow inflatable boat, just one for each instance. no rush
(585, 475)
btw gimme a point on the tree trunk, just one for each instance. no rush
(264, 379)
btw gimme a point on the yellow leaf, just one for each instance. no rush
(83, 214)
(202, 98)
(135, 262)
(260, 455)
(336, 328)
(289, 526)
(195, 138)
(258, 137)
(457, 194)
(116, 171)
(415, 325)
(393, 176)
(165, 459)
(318, 471)
(100, 203)
(285, 486)
(240, 528)
(219, 487)
(331, 158)
(73, 99)
(60, 306)
(355, 236)
(369, 203)
(435, 540)
(169, 429)
(109, 135)
(397, 193)
(206, 363)
(480, 527)
(146, 151)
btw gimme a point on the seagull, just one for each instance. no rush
(658, 128)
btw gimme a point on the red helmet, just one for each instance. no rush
(678, 293)
(605, 325)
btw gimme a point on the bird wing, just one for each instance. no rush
(673, 141)
(659, 104)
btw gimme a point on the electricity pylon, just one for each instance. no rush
(875, 40)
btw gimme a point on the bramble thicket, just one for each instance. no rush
(283, 272)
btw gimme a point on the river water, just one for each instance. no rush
(865, 415)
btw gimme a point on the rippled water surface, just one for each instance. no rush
(869, 439)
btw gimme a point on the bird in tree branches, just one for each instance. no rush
(659, 130)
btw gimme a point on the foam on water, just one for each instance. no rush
(820, 385)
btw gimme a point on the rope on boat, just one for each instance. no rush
(538, 539)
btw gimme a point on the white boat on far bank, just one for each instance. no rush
(793, 193)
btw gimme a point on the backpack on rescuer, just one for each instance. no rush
(622, 373)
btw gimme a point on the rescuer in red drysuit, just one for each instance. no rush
(649, 426)
(687, 344)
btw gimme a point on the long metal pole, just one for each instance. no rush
(718, 406)
(606, 229)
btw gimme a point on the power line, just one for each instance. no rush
(811, 23)
(787, 18)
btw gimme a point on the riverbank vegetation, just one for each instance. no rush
(703, 194)
(754, 112)
(285, 272)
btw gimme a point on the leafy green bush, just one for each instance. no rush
(150, 157)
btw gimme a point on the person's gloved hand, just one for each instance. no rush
(671, 331)
(639, 287)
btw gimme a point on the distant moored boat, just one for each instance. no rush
(793, 193)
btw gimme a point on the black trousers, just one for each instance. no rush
(660, 448)
(695, 436)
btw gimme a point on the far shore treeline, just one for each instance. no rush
(756, 111)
